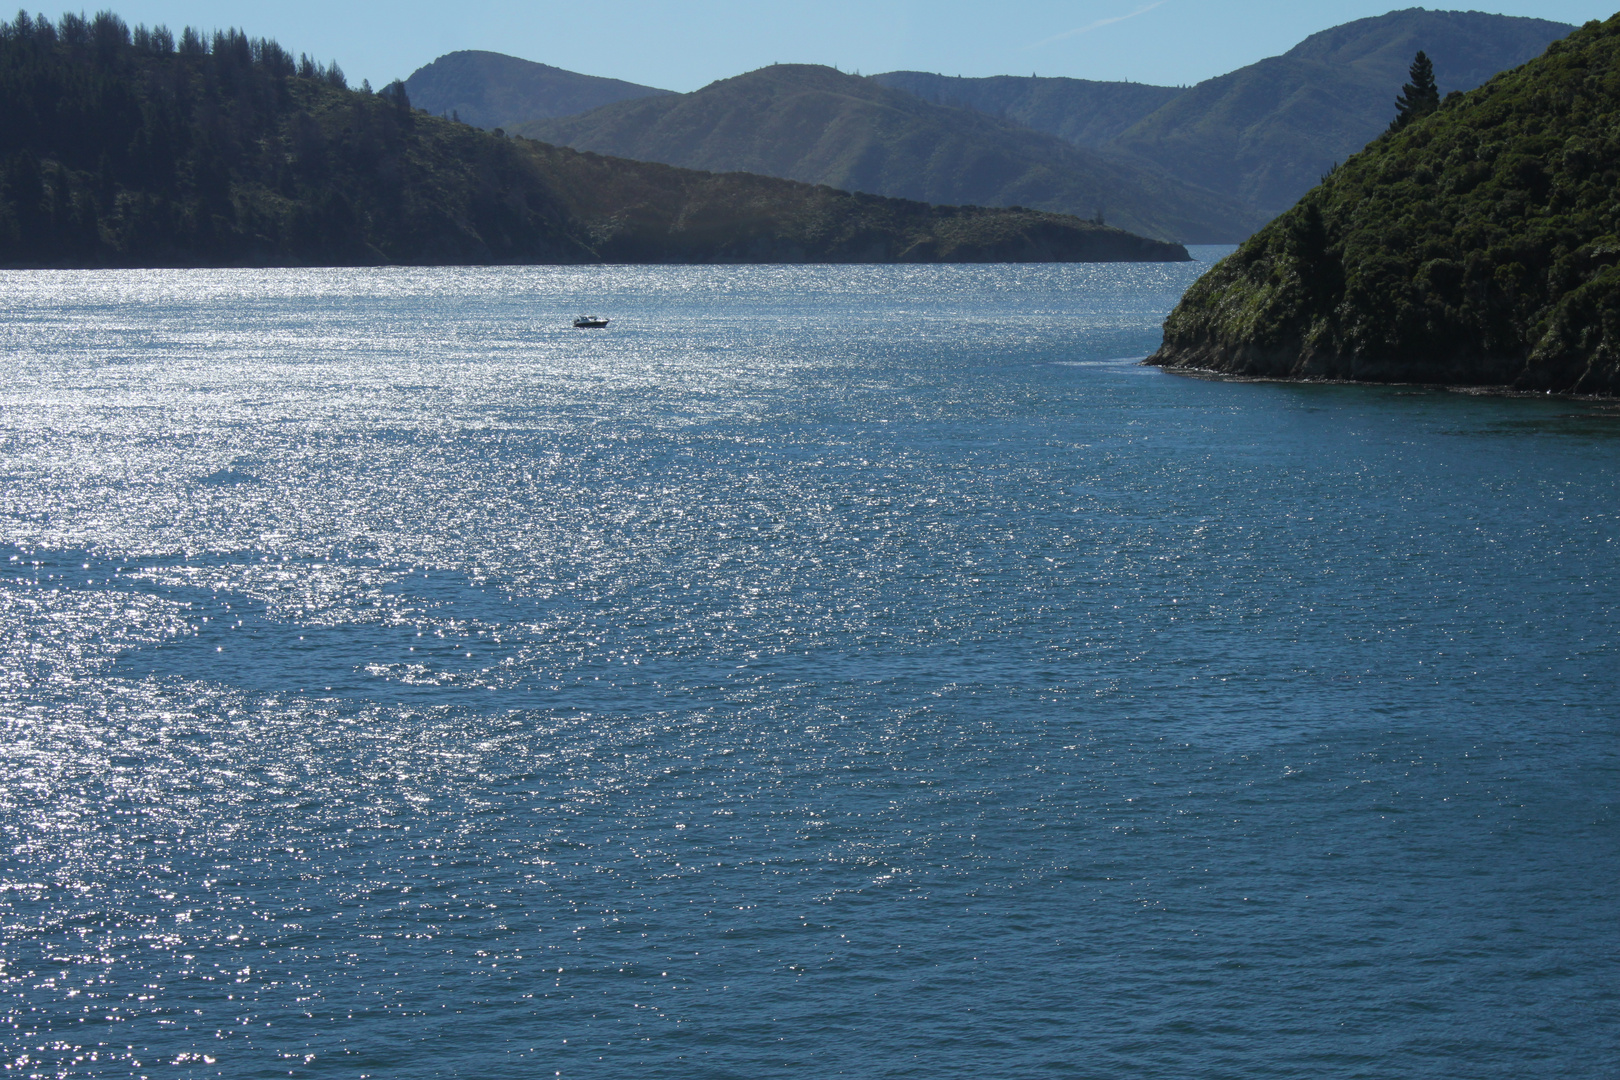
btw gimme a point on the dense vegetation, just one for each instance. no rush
(122, 148)
(819, 125)
(1479, 245)
(492, 90)
(137, 149)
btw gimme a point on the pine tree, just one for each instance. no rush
(1420, 97)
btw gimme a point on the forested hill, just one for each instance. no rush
(122, 148)
(1479, 246)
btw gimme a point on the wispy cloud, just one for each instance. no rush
(1098, 25)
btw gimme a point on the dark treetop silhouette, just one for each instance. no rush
(1420, 97)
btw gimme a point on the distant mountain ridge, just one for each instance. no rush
(1079, 111)
(492, 90)
(1266, 133)
(815, 124)
(1205, 164)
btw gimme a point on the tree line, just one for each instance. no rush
(121, 145)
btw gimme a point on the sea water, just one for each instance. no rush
(823, 671)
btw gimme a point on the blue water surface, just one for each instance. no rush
(823, 671)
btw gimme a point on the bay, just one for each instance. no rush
(823, 671)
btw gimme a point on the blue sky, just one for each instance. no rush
(687, 44)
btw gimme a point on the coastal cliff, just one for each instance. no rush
(1477, 246)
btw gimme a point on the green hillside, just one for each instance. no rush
(1266, 133)
(137, 149)
(1478, 246)
(492, 90)
(1079, 111)
(819, 125)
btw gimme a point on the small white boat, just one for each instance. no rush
(589, 322)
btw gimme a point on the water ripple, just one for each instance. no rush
(857, 671)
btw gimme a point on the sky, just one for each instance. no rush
(690, 43)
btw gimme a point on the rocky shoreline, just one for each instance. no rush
(1475, 389)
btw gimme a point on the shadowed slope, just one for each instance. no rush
(1266, 133)
(819, 125)
(1079, 111)
(641, 211)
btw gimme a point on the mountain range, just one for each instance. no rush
(822, 126)
(1204, 164)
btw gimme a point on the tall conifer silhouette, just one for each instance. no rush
(1420, 97)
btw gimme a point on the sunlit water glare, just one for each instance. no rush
(865, 672)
